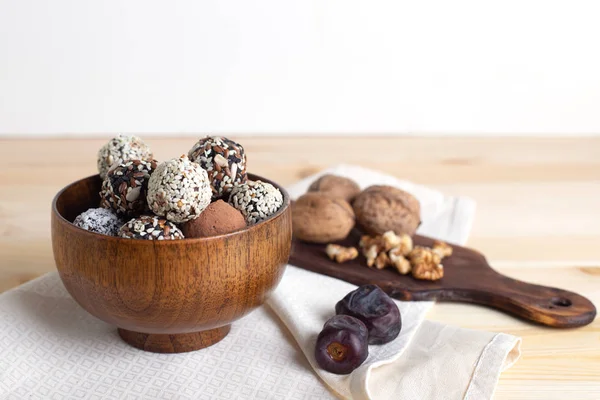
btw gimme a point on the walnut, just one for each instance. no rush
(399, 262)
(370, 254)
(336, 186)
(340, 253)
(367, 241)
(321, 219)
(382, 261)
(391, 240)
(442, 249)
(426, 264)
(382, 208)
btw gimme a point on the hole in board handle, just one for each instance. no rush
(561, 302)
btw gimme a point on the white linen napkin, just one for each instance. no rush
(50, 348)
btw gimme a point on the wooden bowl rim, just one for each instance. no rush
(239, 232)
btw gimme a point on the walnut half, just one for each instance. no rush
(426, 264)
(399, 262)
(340, 253)
(442, 249)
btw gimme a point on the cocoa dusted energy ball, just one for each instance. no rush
(321, 219)
(122, 148)
(125, 186)
(217, 219)
(178, 190)
(336, 186)
(99, 220)
(383, 208)
(224, 160)
(256, 200)
(150, 227)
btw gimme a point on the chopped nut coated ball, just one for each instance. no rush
(119, 149)
(223, 159)
(150, 227)
(125, 186)
(340, 253)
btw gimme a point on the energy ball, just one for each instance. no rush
(150, 227)
(178, 190)
(99, 220)
(125, 186)
(336, 186)
(122, 148)
(224, 160)
(217, 219)
(317, 218)
(256, 200)
(383, 208)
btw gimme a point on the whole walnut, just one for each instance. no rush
(336, 186)
(321, 219)
(382, 208)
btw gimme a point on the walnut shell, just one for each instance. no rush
(382, 208)
(321, 219)
(336, 186)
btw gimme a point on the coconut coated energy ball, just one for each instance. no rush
(224, 160)
(256, 200)
(150, 227)
(179, 190)
(121, 148)
(99, 220)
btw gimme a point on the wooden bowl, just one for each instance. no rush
(168, 296)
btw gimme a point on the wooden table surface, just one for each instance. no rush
(538, 219)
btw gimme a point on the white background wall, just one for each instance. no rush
(267, 66)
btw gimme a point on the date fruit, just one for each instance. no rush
(375, 309)
(342, 345)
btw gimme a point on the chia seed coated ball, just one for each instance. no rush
(99, 220)
(224, 160)
(256, 200)
(124, 188)
(119, 149)
(178, 190)
(150, 227)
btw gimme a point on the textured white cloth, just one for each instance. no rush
(50, 348)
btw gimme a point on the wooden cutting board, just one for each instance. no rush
(467, 278)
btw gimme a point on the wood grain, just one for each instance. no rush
(467, 278)
(167, 296)
(537, 220)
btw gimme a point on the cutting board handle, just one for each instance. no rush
(542, 304)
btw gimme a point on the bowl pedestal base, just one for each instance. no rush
(177, 343)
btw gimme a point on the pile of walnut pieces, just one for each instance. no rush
(391, 250)
(334, 205)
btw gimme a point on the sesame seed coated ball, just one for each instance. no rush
(256, 200)
(178, 190)
(150, 227)
(121, 148)
(223, 159)
(99, 220)
(125, 186)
